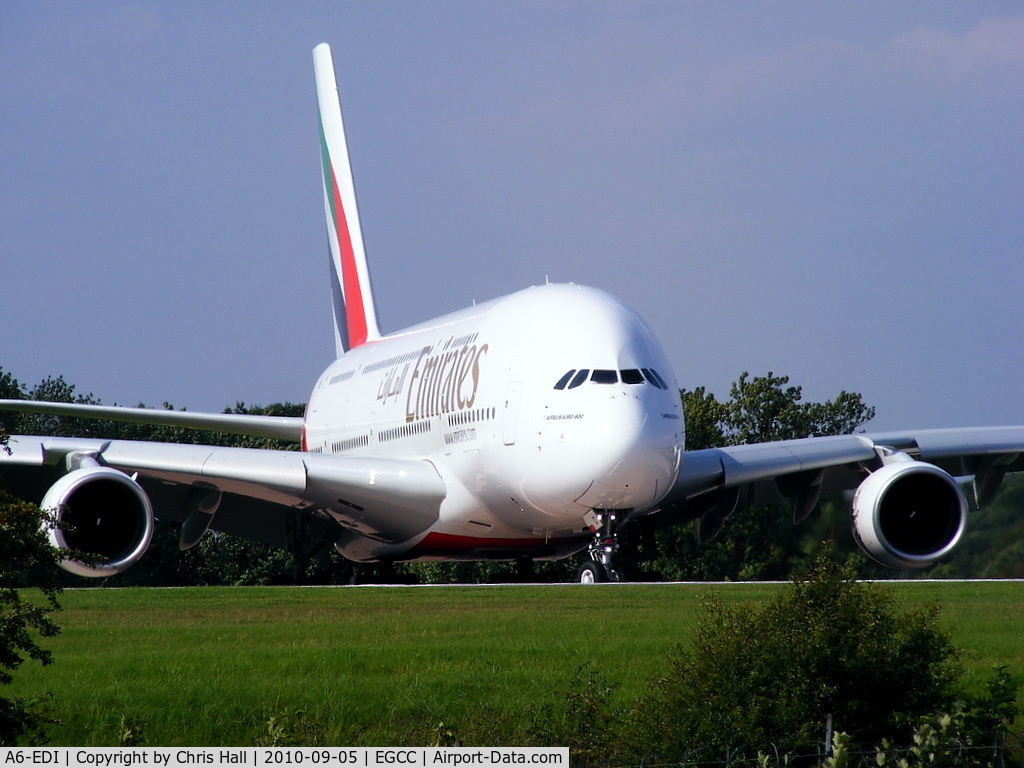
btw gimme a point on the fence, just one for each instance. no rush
(1009, 754)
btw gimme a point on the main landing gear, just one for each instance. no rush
(603, 550)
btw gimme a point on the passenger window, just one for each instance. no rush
(604, 376)
(579, 378)
(565, 379)
(631, 376)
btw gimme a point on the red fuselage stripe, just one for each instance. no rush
(446, 543)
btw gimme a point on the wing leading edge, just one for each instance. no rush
(847, 458)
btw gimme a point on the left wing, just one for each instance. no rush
(108, 492)
(280, 427)
(908, 509)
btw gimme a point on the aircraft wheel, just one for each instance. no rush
(591, 573)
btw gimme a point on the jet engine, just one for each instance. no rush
(909, 513)
(100, 513)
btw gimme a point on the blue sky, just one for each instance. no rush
(829, 191)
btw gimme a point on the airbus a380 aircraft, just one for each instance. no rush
(532, 426)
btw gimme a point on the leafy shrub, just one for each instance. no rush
(26, 557)
(827, 646)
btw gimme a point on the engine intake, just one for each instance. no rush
(99, 512)
(909, 513)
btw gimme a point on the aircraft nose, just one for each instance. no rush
(624, 455)
(635, 466)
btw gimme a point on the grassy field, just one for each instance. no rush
(387, 666)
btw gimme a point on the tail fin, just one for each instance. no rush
(355, 316)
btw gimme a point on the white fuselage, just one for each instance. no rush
(527, 449)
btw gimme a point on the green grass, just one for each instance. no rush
(386, 666)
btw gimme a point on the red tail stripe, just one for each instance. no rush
(355, 315)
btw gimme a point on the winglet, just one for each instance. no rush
(355, 316)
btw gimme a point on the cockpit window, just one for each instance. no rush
(579, 378)
(565, 379)
(653, 377)
(574, 378)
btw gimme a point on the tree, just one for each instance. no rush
(26, 558)
(756, 542)
(706, 419)
(828, 646)
(993, 544)
(764, 408)
(57, 390)
(10, 389)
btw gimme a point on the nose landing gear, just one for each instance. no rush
(603, 550)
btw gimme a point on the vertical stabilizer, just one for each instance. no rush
(355, 316)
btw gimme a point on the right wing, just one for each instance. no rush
(908, 509)
(109, 492)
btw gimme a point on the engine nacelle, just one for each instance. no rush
(908, 514)
(100, 511)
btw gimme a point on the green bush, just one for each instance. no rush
(828, 646)
(26, 558)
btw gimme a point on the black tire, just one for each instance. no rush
(591, 573)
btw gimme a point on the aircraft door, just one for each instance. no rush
(510, 415)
